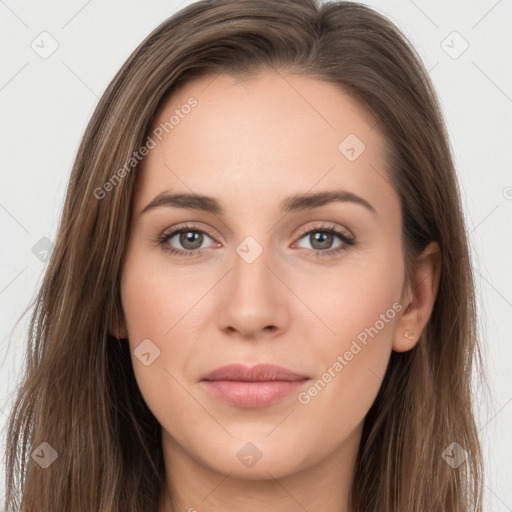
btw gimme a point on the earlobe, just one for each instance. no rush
(405, 341)
(419, 295)
(119, 334)
(118, 327)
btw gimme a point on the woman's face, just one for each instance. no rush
(295, 260)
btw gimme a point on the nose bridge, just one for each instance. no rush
(251, 277)
(251, 301)
(252, 252)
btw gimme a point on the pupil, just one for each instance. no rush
(191, 237)
(323, 238)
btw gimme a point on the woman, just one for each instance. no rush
(187, 350)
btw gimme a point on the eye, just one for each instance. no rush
(190, 240)
(322, 238)
(188, 237)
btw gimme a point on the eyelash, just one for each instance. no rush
(347, 241)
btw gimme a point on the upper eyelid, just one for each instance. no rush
(179, 228)
(325, 225)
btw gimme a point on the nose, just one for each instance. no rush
(253, 300)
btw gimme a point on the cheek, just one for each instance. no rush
(155, 306)
(355, 297)
(360, 306)
(155, 300)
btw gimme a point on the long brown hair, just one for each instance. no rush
(79, 392)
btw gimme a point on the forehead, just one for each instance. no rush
(244, 139)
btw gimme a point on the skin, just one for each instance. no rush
(251, 143)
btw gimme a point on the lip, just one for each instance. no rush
(252, 386)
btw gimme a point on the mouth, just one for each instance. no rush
(251, 387)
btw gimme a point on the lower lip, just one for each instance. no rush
(252, 394)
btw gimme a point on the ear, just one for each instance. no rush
(418, 298)
(118, 325)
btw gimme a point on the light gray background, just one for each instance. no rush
(45, 105)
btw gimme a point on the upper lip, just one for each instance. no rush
(256, 373)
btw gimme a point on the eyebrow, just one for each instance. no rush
(297, 202)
